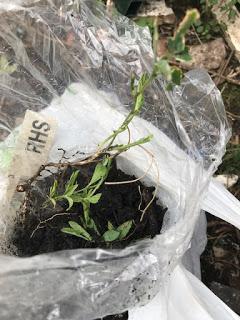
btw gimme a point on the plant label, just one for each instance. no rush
(32, 148)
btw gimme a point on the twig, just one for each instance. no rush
(228, 262)
(59, 165)
(237, 82)
(224, 67)
(196, 34)
(232, 115)
(234, 74)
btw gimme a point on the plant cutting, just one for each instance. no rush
(69, 192)
(72, 193)
(95, 201)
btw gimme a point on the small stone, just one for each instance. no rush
(219, 252)
(207, 55)
(228, 180)
(231, 30)
(157, 9)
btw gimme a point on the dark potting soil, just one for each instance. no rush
(118, 204)
(122, 316)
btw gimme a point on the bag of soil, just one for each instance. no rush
(65, 79)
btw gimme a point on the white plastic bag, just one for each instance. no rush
(188, 299)
(74, 62)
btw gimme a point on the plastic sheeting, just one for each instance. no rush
(73, 61)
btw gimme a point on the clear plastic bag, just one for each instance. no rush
(73, 61)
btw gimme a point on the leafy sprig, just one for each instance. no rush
(88, 195)
(177, 50)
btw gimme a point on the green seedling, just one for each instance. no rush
(176, 48)
(76, 230)
(89, 195)
(119, 233)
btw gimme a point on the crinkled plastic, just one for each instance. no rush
(74, 62)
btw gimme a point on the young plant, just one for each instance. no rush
(177, 50)
(119, 233)
(85, 196)
(207, 29)
(88, 196)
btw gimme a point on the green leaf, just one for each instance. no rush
(71, 190)
(53, 189)
(124, 229)
(139, 102)
(213, 2)
(110, 226)
(177, 76)
(100, 173)
(111, 235)
(143, 81)
(70, 202)
(170, 86)
(163, 67)
(176, 45)
(78, 197)
(71, 182)
(79, 231)
(92, 225)
(74, 233)
(184, 56)
(207, 28)
(53, 201)
(94, 199)
(198, 23)
(200, 29)
(232, 14)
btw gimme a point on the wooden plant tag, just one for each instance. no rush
(32, 148)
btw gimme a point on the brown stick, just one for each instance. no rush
(224, 67)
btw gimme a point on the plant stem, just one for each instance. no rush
(122, 148)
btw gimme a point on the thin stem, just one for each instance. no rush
(123, 148)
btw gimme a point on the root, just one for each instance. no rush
(39, 226)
